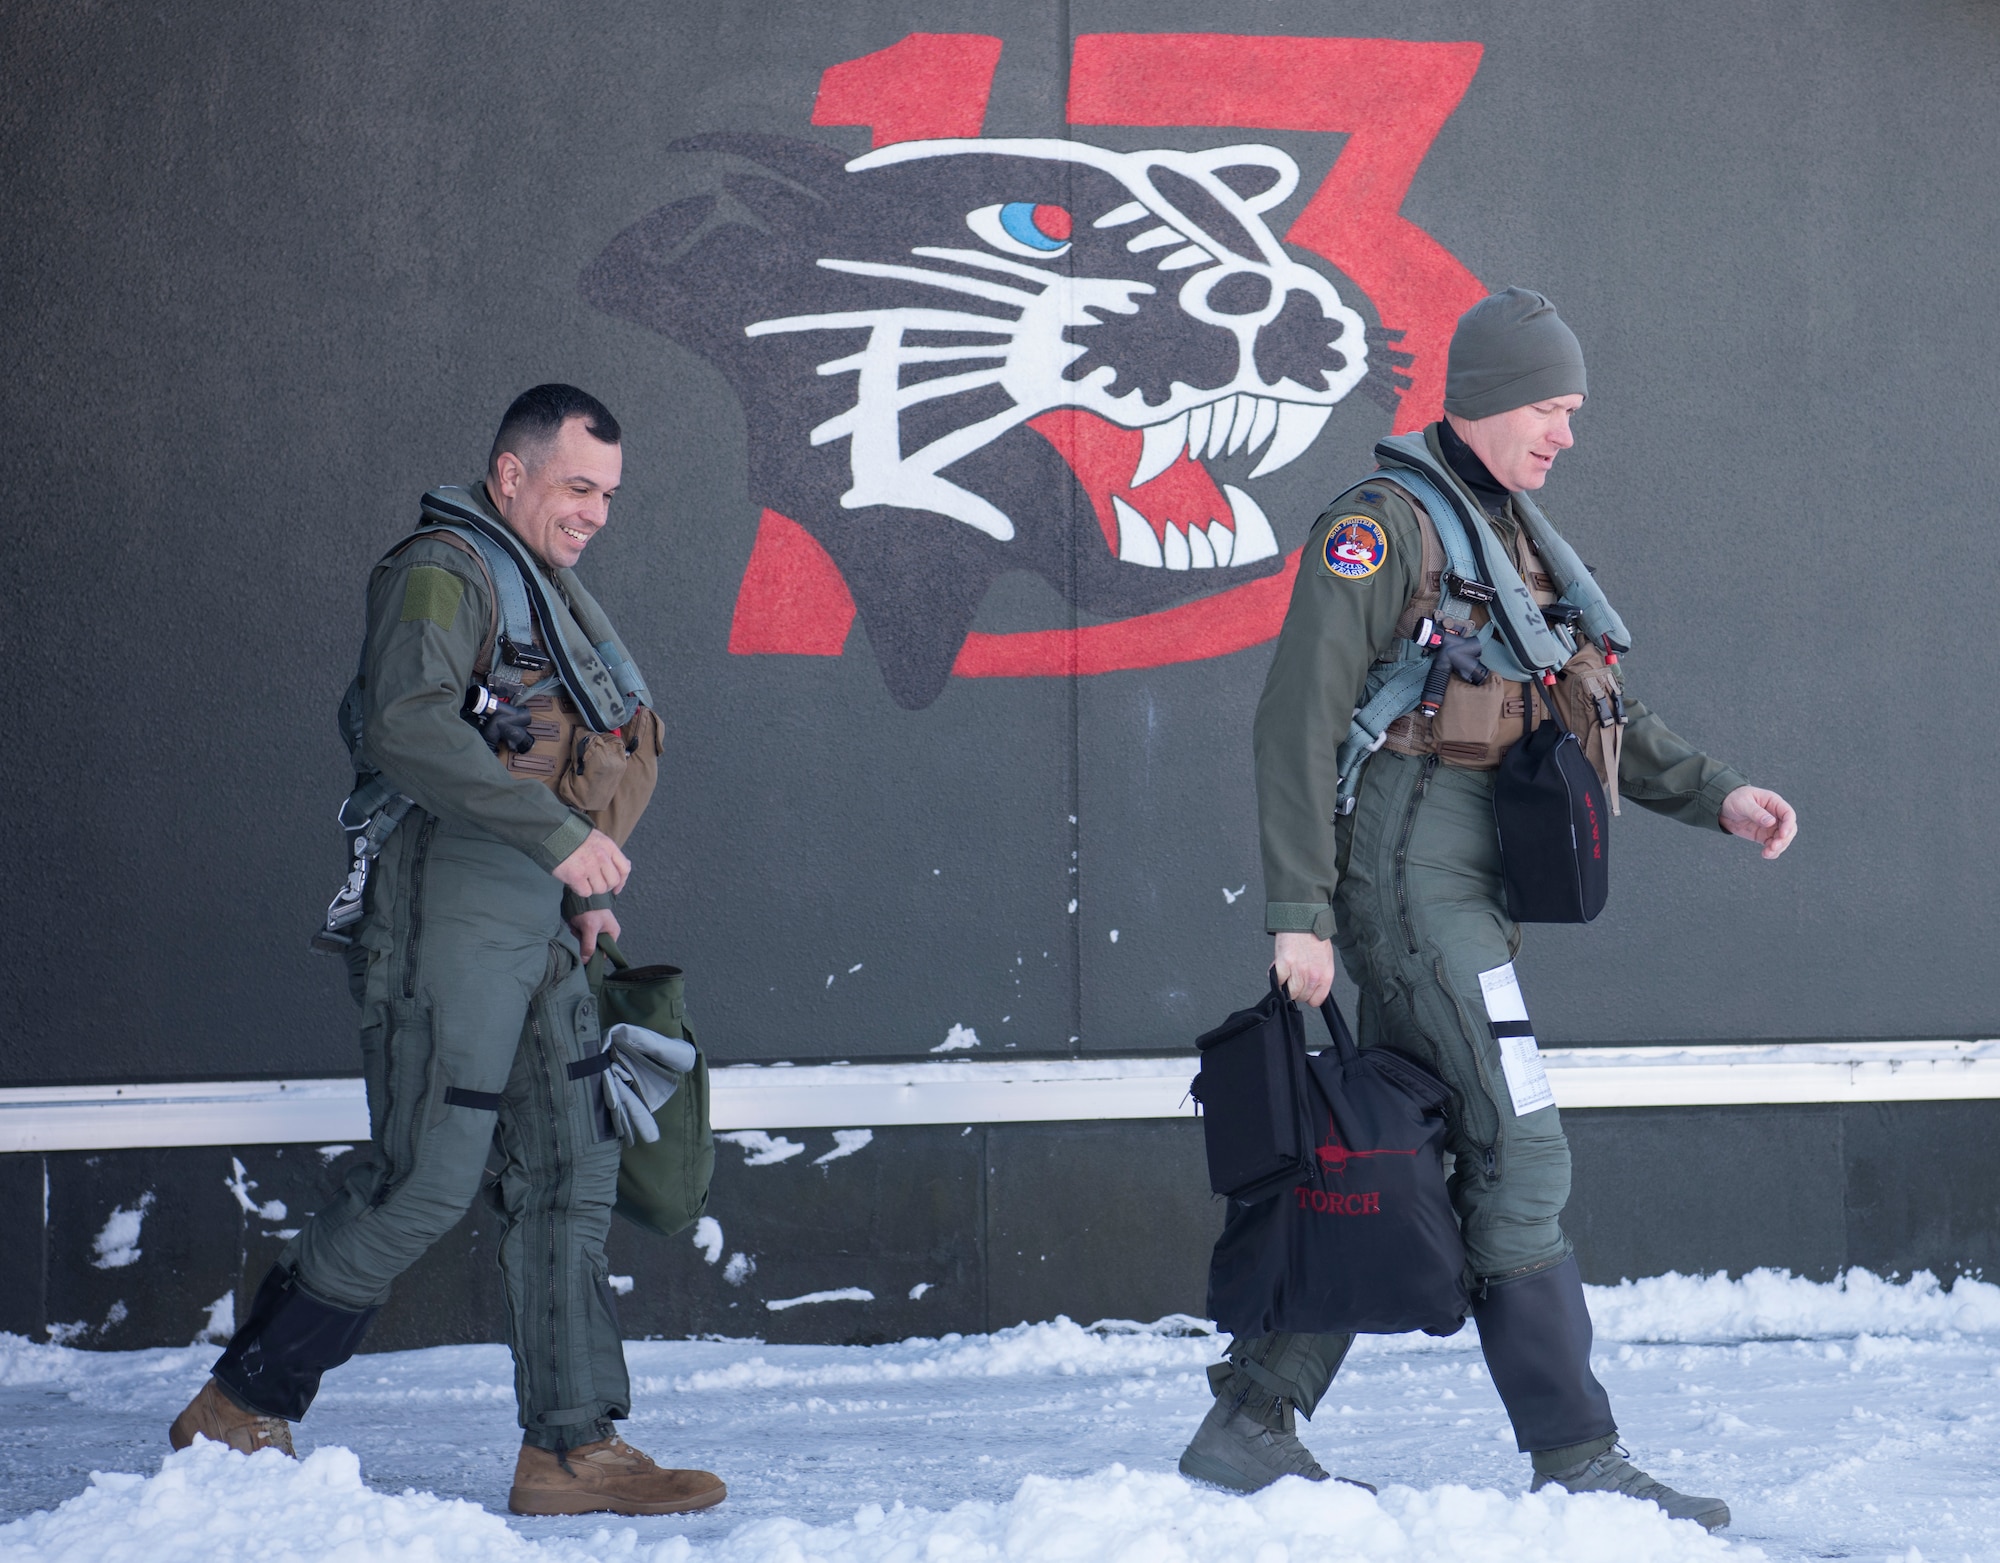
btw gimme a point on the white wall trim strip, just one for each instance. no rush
(826, 1096)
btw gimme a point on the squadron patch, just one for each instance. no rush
(1355, 548)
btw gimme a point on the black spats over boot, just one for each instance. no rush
(1535, 1332)
(274, 1362)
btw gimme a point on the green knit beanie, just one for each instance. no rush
(1509, 350)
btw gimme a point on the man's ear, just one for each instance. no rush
(508, 471)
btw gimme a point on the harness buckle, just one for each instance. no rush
(525, 657)
(1472, 591)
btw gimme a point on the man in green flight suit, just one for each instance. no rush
(1405, 877)
(504, 747)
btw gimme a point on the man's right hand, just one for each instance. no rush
(595, 867)
(1304, 965)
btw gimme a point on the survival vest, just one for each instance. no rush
(1538, 614)
(555, 654)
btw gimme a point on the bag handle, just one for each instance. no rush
(1336, 1025)
(612, 953)
(1528, 709)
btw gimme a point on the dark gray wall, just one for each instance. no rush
(996, 1224)
(270, 272)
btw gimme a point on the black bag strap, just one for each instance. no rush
(1528, 711)
(1336, 1025)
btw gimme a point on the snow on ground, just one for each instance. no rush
(1858, 1419)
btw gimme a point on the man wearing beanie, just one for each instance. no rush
(1383, 841)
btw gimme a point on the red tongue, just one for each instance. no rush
(1104, 456)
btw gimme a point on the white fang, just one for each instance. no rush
(1254, 538)
(1137, 542)
(1246, 418)
(1267, 420)
(1177, 548)
(1200, 555)
(1299, 424)
(1164, 443)
(1221, 418)
(1197, 425)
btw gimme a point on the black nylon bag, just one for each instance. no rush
(1555, 827)
(1257, 1115)
(1367, 1241)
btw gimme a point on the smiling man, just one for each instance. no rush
(504, 746)
(1379, 835)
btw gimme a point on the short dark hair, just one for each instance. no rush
(537, 415)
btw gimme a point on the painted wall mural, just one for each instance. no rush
(960, 356)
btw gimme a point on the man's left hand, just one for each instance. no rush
(588, 925)
(1760, 816)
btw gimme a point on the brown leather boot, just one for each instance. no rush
(213, 1414)
(607, 1477)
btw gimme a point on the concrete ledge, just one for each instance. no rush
(293, 1112)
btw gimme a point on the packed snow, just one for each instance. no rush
(1859, 1418)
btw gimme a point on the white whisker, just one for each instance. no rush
(992, 262)
(906, 354)
(944, 385)
(933, 279)
(906, 319)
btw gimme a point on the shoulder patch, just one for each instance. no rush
(1355, 548)
(433, 595)
(1370, 496)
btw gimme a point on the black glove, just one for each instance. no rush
(498, 722)
(1460, 652)
(1452, 651)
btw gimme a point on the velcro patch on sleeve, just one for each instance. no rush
(432, 594)
(1355, 548)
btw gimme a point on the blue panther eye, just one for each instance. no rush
(1025, 228)
(1045, 228)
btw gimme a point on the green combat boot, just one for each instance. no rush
(1245, 1446)
(1612, 1471)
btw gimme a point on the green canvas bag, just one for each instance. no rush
(663, 1186)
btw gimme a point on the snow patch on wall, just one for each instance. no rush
(957, 1038)
(240, 1183)
(839, 1294)
(761, 1149)
(708, 1238)
(621, 1284)
(845, 1143)
(739, 1269)
(221, 1320)
(118, 1244)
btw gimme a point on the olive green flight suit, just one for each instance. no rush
(1408, 887)
(478, 1031)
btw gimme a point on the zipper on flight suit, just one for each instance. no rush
(418, 854)
(1403, 851)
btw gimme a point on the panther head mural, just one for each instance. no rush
(958, 358)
